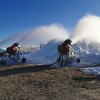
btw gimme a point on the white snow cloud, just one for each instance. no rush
(41, 34)
(44, 34)
(88, 28)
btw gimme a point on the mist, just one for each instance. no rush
(88, 29)
(41, 34)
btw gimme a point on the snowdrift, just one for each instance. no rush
(46, 55)
(88, 53)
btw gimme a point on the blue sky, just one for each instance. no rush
(20, 15)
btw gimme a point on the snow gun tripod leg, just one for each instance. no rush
(61, 61)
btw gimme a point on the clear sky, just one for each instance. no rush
(20, 15)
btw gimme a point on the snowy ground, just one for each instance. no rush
(89, 55)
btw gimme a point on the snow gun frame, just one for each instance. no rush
(67, 59)
(18, 57)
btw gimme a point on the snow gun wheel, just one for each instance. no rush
(78, 60)
(3, 62)
(23, 60)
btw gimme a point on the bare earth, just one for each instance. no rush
(31, 82)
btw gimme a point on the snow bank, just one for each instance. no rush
(46, 55)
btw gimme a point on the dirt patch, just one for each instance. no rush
(30, 82)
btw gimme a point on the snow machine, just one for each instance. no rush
(64, 59)
(6, 58)
(67, 54)
(12, 55)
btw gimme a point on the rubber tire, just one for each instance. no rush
(23, 60)
(3, 62)
(78, 60)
